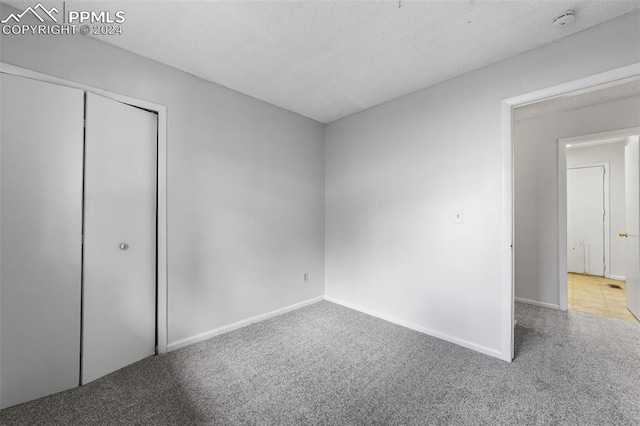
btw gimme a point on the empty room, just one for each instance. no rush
(319, 212)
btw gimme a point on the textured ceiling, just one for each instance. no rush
(329, 59)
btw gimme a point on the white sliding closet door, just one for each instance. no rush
(41, 230)
(119, 310)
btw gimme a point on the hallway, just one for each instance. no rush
(598, 296)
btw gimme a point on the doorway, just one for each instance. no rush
(558, 273)
(604, 294)
(588, 291)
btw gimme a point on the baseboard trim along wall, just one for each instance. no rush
(536, 303)
(236, 325)
(618, 277)
(418, 328)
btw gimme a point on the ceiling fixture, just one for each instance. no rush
(565, 18)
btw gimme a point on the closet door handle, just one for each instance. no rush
(124, 246)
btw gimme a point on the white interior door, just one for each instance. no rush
(41, 226)
(632, 219)
(119, 285)
(585, 220)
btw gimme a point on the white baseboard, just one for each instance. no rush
(421, 329)
(536, 303)
(243, 323)
(618, 277)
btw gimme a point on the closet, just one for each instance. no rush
(78, 227)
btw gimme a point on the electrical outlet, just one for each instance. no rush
(306, 278)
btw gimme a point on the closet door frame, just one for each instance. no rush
(161, 110)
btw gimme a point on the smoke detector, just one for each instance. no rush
(565, 18)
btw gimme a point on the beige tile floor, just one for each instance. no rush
(588, 293)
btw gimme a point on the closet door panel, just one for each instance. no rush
(41, 168)
(119, 315)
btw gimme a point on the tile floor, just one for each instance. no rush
(588, 293)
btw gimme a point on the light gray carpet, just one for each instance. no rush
(325, 364)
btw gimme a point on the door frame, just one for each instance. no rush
(161, 241)
(562, 203)
(507, 137)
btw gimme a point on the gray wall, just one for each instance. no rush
(245, 183)
(396, 173)
(613, 153)
(536, 189)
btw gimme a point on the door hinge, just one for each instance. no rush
(84, 123)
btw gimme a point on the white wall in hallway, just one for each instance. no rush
(396, 174)
(245, 183)
(614, 154)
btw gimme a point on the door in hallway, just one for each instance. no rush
(119, 285)
(585, 220)
(632, 223)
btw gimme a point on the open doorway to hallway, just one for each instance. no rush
(544, 251)
(596, 258)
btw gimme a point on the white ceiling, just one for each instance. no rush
(329, 59)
